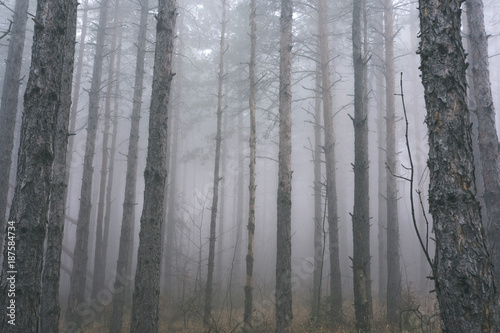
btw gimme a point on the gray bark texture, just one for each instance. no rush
(361, 213)
(284, 314)
(9, 101)
(147, 278)
(329, 148)
(463, 272)
(125, 247)
(76, 301)
(207, 317)
(50, 309)
(251, 187)
(488, 137)
(393, 248)
(44, 104)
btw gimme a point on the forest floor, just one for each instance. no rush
(418, 314)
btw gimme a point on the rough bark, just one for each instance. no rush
(488, 137)
(76, 301)
(147, 278)
(329, 149)
(361, 214)
(251, 184)
(393, 249)
(123, 267)
(207, 316)
(50, 309)
(9, 101)
(20, 286)
(99, 255)
(463, 272)
(284, 203)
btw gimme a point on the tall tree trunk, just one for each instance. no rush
(76, 92)
(50, 309)
(218, 139)
(251, 186)
(171, 226)
(378, 65)
(20, 287)
(488, 137)
(112, 153)
(318, 216)
(80, 256)
(463, 272)
(8, 106)
(99, 255)
(361, 213)
(329, 148)
(284, 314)
(123, 268)
(393, 269)
(147, 278)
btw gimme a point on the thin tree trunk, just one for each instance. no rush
(20, 287)
(9, 101)
(99, 255)
(284, 314)
(393, 269)
(80, 254)
(318, 216)
(361, 214)
(112, 153)
(171, 226)
(488, 137)
(462, 271)
(147, 278)
(124, 264)
(76, 92)
(251, 186)
(218, 139)
(50, 309)
(329, 148)
(378, 64)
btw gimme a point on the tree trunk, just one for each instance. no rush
(80, 256)
(76, 92)
(207, 316)
(463, 272)
(361, 214)
(251, 186)
(318, 216)
(112, 153)
(99, 255)
(329, 148)
(50, 309)
(40, 144)
(378, 65)
(8, 106)
(393, 269)
(123, 267)
(147, 278)
(171, 226)
(284, 204)
(488, 138)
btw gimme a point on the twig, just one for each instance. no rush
(412, 171)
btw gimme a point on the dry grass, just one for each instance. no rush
(418, 314)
